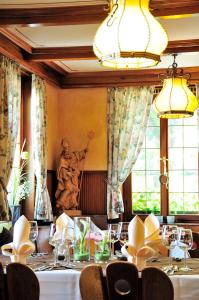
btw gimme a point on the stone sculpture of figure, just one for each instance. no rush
(67, 176)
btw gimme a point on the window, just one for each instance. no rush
(177, 140)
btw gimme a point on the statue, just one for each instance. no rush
(68, 171)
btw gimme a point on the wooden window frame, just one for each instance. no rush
(127, 185)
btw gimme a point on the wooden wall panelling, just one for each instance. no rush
(93, 191)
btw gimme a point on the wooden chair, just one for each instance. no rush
(2, 284)
(92, 285)
(122, 281)
(195, 248)
(156, 285)
(22, 283)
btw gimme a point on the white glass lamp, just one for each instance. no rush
(130, 37)
(175, 100)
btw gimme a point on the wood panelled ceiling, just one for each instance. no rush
(21, 25)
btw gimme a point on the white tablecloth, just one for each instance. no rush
(59, 285)
(62, 285)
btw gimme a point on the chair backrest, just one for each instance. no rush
(195, 247)
(122, 281)
(156, 285)
(22, 283)
(92, 285)
(2, 284)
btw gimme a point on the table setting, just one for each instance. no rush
(76, 245)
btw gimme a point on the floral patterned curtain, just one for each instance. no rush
(10, 101)
(128, 111)
(43, 208)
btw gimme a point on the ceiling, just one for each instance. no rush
(54, 39)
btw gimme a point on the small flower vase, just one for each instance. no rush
(82, 238)
(102, 247)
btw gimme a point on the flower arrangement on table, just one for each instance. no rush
(102, 246)
(81, 248)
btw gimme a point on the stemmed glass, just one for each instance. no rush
(185, 242)
(68, 239)
(113, 236)
(170, 239)
(33, 232)
(123, 232)
(54, 242)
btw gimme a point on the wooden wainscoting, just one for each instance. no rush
(93, 191)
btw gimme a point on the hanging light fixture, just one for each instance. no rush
(175, 100)
(130, 37)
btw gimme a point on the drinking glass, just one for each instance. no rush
(54, 242)
(113, 236)
(33, 231)
(123, 232)
(68, 238)
(170, 239)
(33, 235)
(185, 242)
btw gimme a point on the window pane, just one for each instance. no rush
(176, 205)
(172, 122)
(153, 137)
(140, 162)
(191, 203)
(139, 202)
(191, 158)
(190, 181)
(152, 159)
(190, 136)
(152, 181)
(153, 202)
(153, 120)
(175, 136)
(191, 121)
(138, 181)
(175, 158)
(175, 181)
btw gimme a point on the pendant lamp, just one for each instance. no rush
(130, 37)
(175, 100)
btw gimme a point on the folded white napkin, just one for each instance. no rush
(64, 228)
(143, 236)
(21, 246)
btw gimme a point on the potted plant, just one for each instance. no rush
(19, 185)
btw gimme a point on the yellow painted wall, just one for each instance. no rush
(52, 121)
(79, 111)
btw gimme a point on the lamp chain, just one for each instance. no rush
(113, 11)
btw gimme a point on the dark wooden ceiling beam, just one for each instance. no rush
(90, 14)
(70, 15)
(14, 52)
(86, 52)
(61, 53)
(120, 78)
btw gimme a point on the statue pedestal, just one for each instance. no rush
(73, 212)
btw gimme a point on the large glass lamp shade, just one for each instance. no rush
(130, 37)
(175, 100)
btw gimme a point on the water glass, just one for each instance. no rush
(185, 242)
(170, 238)
(123, 232)
(33, 231)
(113, 236)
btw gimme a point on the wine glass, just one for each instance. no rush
(170, 239)
(185, 242)
(123, 232)
(54, 242)
(33, 233)
(113, 236)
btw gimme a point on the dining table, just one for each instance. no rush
(61, 282)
